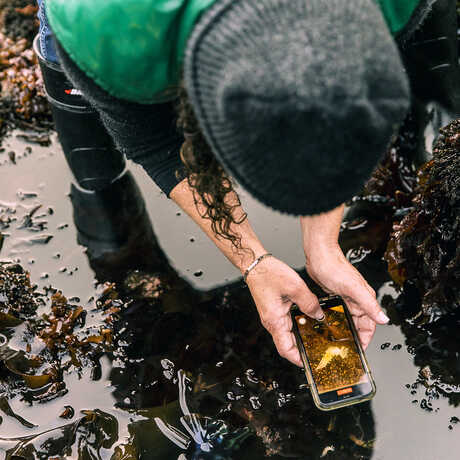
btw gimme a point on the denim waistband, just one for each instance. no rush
(47, 45)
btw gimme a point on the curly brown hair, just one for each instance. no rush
(211, 186)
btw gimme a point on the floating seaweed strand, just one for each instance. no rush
(205, 435)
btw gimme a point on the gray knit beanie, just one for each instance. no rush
(297, 98)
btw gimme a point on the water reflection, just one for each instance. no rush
(243, 400)
(211, 345)
(434, 345)
(91, 434)
(179, 355)
(208, 435)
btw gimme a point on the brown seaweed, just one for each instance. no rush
(6, 409)
(234, 374)
(23, 101)
(417, 212)
(424, 248)
(84, 438)
(18, 18)
(66, 342)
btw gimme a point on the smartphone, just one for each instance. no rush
(333, 359)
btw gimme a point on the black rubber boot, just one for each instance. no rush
(108, 208)
(431, 58)
(87, 146)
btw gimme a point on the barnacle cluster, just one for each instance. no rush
(17, 297)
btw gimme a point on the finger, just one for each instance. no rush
(365, 327)
(365, 301)
(308, 303)
(280, 330)
(285, 343)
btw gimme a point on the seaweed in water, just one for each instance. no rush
(55, 343)
(93, 432)
(265, 403)
(424, 248)
(423, 256)
(414, 215)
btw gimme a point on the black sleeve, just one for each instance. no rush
(145, 133)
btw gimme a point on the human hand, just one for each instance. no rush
(275, 287)
(329, 268)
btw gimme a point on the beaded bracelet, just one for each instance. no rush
(255, 263)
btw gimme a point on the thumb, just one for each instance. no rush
(308, 303)
(376, 313)
(366, 302)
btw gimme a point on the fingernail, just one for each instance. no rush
(383, 318)
(320, 316)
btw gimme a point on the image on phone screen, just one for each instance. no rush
(335, 362)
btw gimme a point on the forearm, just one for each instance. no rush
(321, 231)
(182, 194)
(274, 288)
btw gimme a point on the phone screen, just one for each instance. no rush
(335, 362)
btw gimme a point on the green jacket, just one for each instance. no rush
(134, 48)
